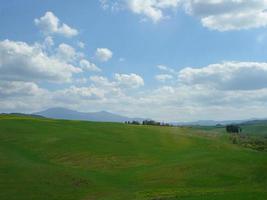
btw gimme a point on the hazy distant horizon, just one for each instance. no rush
(57, 110)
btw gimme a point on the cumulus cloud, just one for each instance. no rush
(227, 76)
(103, 54)
(81, 80)
(163, 77)
(113, 5)
(81, 45)
(111, 89)
(102, 81)
(20, 96)
(166, 69)
(21, 61)
(50, 24)
(87, 65)
(152, 9)
(129, 80)
(48, 42)
(225, 15)
(104, 4)
(189, 99)
(79, 93)
(18, 88)
(123, 81)
(67, 53)
(220, 15)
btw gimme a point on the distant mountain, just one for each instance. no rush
(103, 116)
(209, 122)
(254, 122)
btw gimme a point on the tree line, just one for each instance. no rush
(148, 122)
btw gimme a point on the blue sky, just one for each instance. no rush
(173, 60)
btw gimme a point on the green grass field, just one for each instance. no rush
(43, 159)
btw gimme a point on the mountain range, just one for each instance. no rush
(209, 122)
(103, 116)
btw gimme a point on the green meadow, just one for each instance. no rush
(44, 159)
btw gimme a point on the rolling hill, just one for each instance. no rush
(78, 160)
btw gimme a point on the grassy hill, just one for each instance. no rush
(47, 159)
(255, 129)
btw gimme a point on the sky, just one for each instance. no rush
(169, 60)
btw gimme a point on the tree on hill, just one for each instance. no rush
(151, 122)
(133, 122)
(233, 129)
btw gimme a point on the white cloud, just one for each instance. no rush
(48, 42)
(104, 4)
(220, 15)
(129, 80)
(146, 8)
(102, 81)
(110, 89)
(225, 15)
(183, 101)
(79, 93)
(115, 90)
(81, 80)
(18, 88)
(50, 24)
(19, 96)
(166, 69)
(228, 90)
(163, 77)
(67, 53)
(86, 65)
(103, 54)
(81, 45)
(227, 76)
(21, 61)
(121, 81)
(152, 9)
(113, 5)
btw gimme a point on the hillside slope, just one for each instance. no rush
(71, 160)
